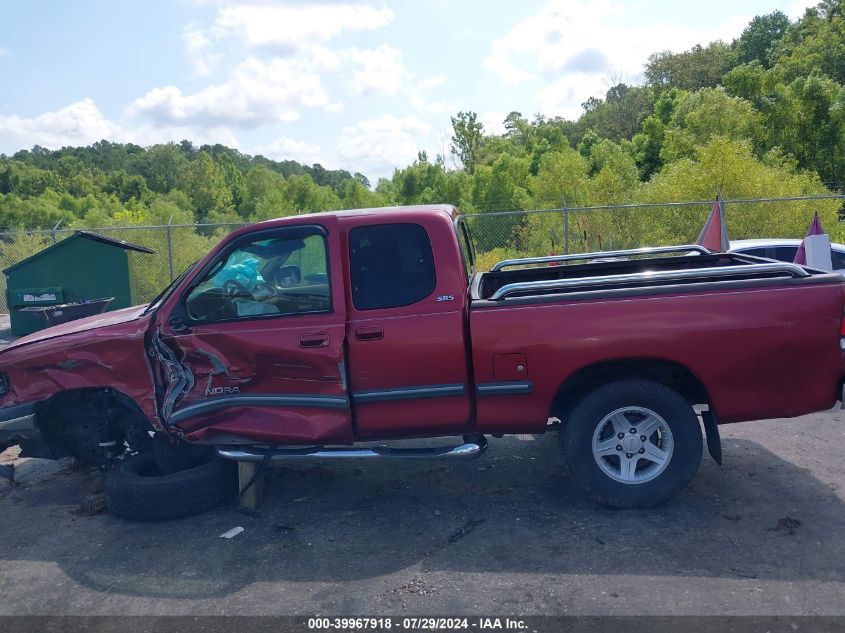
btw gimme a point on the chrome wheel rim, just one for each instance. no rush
(632, 445)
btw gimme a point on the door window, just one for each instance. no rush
(287, 274)
(756, 252)
(785, 253)
(391, 265)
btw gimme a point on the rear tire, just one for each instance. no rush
(137, 489)
(612, 463)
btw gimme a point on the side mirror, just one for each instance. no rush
(177, 324)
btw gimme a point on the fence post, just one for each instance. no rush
(565, 226)
(170, 245)
(55, 229)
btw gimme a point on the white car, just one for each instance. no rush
(783, 249)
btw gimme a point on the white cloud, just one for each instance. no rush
(287, 65)
(285, 148)
(291, 27)
(797, 8)
(198, 48)
(82, 123)
(431, 82)
(79, 123)
(379, 145)
(146, 135)
(378, 69)
(493, 122)
(424, 104)
(257, 93)
(579, 48)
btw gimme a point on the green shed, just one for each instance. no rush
(81, 267)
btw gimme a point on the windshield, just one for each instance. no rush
(168, 289)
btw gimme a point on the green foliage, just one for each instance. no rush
(467, 135)
(106, 183)
(763, 116)
(729, 166)
(621, 113)
(759, 37)
(816, 43)
(699, 67)
(703, 114)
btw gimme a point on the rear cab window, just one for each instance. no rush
(391, 265)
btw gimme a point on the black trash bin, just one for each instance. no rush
(54, 315)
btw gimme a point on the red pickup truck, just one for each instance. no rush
(300, 337)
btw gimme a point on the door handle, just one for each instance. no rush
(314, 340)
(374, 333)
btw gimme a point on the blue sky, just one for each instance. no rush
(356, 84)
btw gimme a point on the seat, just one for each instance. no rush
(287, 276)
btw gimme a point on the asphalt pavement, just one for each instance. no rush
(504, 534)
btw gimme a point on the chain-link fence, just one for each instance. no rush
(176, 246)
(509, 234)
(497, 235)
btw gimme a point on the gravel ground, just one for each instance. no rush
(503, 534)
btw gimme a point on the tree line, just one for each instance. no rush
(761, 116)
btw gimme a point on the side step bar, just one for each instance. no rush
(474, 446)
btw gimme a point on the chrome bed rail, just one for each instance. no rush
(650, 250)
(794, 270)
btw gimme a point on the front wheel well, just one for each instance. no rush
(671, 374)
(88, 423)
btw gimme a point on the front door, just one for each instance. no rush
(254, 348)
(407, 361)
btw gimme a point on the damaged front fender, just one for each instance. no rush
(178, 377)
(109, 357)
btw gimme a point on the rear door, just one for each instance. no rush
(407, 360)
(254, 347)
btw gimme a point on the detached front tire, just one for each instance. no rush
(137, 489)
(632, 444)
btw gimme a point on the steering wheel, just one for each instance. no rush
(233, 288)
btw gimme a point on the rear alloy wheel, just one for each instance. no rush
(632, 443)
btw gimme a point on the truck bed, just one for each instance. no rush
(647, 273)
(762, 336)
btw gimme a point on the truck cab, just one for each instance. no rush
(342, 327)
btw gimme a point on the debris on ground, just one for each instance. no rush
(416, 586)
(232, 533)
(284, 529)
(468, 527)
(743, 573)
(7, 471)
(91, 506)
(786, 525)
(94, 483)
